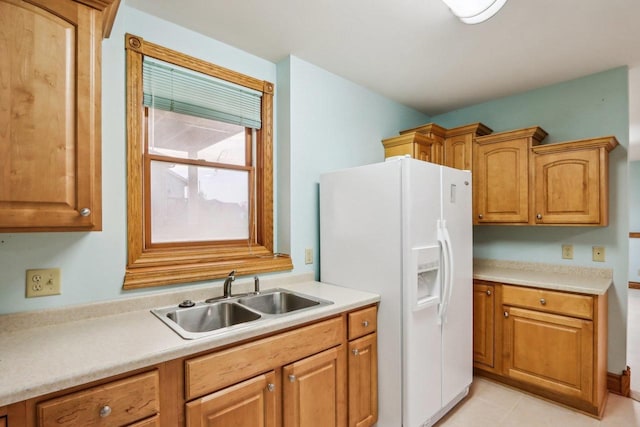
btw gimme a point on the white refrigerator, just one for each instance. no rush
(403, 229)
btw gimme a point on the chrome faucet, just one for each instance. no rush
(227, 283)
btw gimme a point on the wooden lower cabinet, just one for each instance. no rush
(301, 377)
(314, 391)
(363, 381)
(251, 403)
(484, 325)
(549, 351)
(547, 342)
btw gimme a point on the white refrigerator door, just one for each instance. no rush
(422, 357)
(457, 325)
(360, 248)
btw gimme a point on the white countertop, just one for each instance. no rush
(585, 280)
(60, 352)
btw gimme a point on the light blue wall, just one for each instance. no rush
(335, 123)
(592, 106)
(332, 124)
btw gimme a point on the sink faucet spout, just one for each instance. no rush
(227, 283)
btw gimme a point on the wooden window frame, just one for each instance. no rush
(156, 266)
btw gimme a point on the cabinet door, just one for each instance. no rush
(363, 381)
(457, 152)
(567, 187)
(483, 325)
(49, 116)
(501, 182)
(549, 351)
(3, 421)
(314, 391)
(251, 403)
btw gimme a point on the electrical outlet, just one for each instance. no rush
(308, 256)
(567, 251)
(43, 282)
(598, 253)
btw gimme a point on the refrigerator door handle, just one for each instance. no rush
(446, 276)
(450, 269)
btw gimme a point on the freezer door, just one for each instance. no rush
(422, 357)
(457, 324)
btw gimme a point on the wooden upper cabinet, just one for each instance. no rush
(501, 176)
(417, 145)
(458, 145)
(50, 131)
(571, 182)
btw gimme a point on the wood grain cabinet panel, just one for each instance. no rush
(314, 391)
(571, 182)
(363, 381)
(50, 86)
(501, 176)
(251, 403)
(119, 403)
(458, 145)
(483, 325)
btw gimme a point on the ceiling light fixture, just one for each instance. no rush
(474, 11)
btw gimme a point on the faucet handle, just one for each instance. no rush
(232, 274)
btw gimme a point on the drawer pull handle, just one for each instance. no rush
(292, 378)
(480, 216)
(506, 314)
(365, 323)
(488, 292)
(543, 301)
(85, 212)
(355, 352)
(271, 386)
(539, 216)
(105, 411)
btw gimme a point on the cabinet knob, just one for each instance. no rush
(480, 216)
(506, 314)
(355, 352)
(543, 301)
(488, 292)
(292, 378)
(105, 411)
(85, 212)
(271, 386)
(539, 216)
(365, 323)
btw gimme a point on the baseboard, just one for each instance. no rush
(620, 384)
(634, 285)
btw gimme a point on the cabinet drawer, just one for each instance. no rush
(149, 422)
(128, 400)
(212, 372)
(550, 301)
(362, 322)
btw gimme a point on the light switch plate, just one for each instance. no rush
(567, 251)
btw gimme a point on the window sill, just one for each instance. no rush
(159, 275)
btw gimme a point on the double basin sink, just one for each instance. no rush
(226, 314)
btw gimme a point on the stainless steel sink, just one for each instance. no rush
(278, 302)
(228, 314)
(203, 319)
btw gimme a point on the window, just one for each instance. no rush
(200, 177)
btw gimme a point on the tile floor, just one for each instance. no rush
(491, 404)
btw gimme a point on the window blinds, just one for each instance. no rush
(172, 88)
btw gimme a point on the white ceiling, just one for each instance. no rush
(415, 51)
